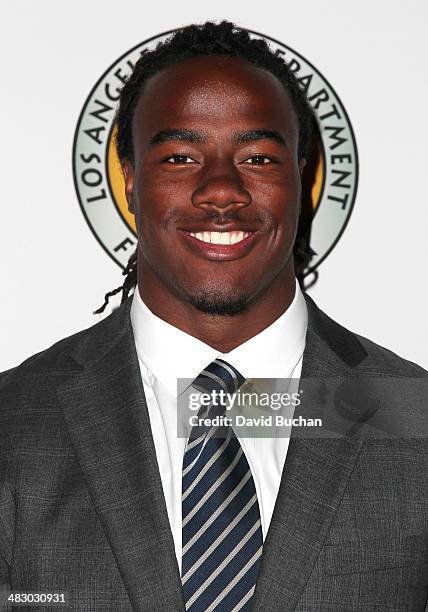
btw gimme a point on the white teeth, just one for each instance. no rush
(221, 237)
(215, 238)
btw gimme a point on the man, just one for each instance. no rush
(100, 499)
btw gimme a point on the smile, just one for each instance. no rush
(220, 246)
(221, 237)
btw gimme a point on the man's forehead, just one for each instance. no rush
(206, 68)
(212, 89)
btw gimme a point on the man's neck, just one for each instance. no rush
(222, 332)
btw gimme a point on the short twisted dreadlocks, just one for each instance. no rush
(210, 38)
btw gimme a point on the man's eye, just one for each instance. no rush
(180, 159)
(258, 160)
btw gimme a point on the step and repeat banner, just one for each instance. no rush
(67, 233)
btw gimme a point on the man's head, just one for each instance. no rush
(212, 135)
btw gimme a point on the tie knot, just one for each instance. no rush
(219, 375)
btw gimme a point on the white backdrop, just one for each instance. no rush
(54, 273)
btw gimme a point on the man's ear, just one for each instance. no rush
(128, 174)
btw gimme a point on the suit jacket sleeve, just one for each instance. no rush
(6, 538)
(7, 506)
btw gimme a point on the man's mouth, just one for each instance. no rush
(220, 246)
(220, 237)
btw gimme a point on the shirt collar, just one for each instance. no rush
(170, 353)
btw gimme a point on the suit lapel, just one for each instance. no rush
(107, 419)
(315, 475)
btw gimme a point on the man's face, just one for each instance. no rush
(215, 184)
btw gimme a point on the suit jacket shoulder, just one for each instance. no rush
(51, 361)
(358, 351)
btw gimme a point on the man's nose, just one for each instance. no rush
(220, 186)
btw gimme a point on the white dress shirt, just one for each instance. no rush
(167, 353)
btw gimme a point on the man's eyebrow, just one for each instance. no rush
(254, 135)
(177, 134)
(188, 135)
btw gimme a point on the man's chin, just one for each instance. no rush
(219, 304)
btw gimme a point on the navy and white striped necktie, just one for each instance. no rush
(222, 537)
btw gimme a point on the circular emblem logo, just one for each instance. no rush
(329, 182)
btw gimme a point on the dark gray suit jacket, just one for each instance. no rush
(81, 502)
